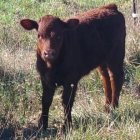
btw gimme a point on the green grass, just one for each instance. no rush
(20, 87)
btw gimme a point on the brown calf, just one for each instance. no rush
(68, 50)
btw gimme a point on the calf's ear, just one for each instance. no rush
(73, 23)
(29, 24)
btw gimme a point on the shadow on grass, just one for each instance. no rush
(8, 76)
(32, 132)
(12, 87)
(12, 84)
(28, 133)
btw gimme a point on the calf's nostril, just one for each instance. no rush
(53, 53)
(45, 53)
(49, 54)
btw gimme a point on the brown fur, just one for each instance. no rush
(68, 50)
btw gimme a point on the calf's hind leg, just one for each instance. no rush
(116, 77)
(103, 72)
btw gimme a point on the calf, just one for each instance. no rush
(68, 50)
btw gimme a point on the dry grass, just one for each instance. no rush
(20, 88)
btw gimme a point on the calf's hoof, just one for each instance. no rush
(43, 123)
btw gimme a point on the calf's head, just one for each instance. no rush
(50, 30)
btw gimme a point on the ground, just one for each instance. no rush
(20, 87)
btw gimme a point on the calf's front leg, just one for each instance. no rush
(47, 97)
(67, 101)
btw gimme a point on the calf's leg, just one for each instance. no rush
(67, 101)
(116, 77)
(103, 72)
(47, 97)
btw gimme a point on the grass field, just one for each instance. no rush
(20, 88)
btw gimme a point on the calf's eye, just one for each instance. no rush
(39, 36)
